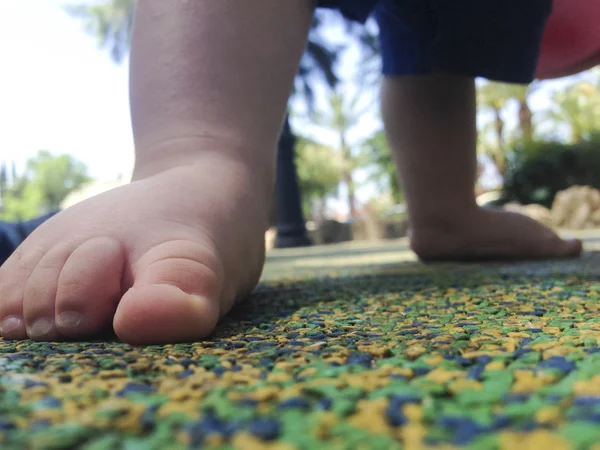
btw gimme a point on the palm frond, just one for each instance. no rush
(110, 22)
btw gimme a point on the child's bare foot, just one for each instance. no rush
(160, 259)
(430, 121)
(163, 258)
(489, 235)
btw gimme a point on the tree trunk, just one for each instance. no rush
(322, 208)
(291, 227)
(396, 188)
(577, 133)
(499, 157)
(525, 121)
(351, 194)
(478, 188)
(348, 176)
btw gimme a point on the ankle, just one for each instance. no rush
(436, 234)
(444, 218)
(186, 151)
(220, 169)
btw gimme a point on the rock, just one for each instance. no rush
(594, 198)
(579, 216)
(576, 208)
(270, 236)
(560, 208)
(331, 231)
(378, 229)
(396, 229)
(595, 217)
(366, 229)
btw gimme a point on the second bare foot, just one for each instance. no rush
(488, 235)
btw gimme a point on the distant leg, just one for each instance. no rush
(430, 124)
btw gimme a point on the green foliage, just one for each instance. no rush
(21, 202)
(341, 117)
(319, 172)
(46, 182)
(577, 107)
(494, 97)
(318, 62)
(377, 154)
(110, 21)
(367, 37)
(538, 170)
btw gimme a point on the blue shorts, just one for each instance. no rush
(494, 39)
(13, 233)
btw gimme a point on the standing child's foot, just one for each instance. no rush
(160, 259)
(489, 235)
(163, 258)
(431, 124)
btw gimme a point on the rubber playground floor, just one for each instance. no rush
(349, 346)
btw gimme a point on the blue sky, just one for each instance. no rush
(60, 92)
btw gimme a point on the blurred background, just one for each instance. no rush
(66, 129)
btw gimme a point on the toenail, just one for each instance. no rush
(69, 319)
(40, 328)
(9, 324)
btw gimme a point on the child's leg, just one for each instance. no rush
(430, 124)
(161, 259)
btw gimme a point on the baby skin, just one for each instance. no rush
(162, 259)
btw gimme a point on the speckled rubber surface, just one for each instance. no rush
(354, 347)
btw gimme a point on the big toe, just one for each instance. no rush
(569, 248)
(176, 296)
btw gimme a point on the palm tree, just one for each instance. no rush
(578, 107)
(521, 93)
(366, 36)
(494, 96)
(377, 152)
(341, 117)
(110, 22)
(319, 174)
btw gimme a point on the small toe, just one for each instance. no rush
(89, 288)
(39, 296)
(14, 273)
(13, 327)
